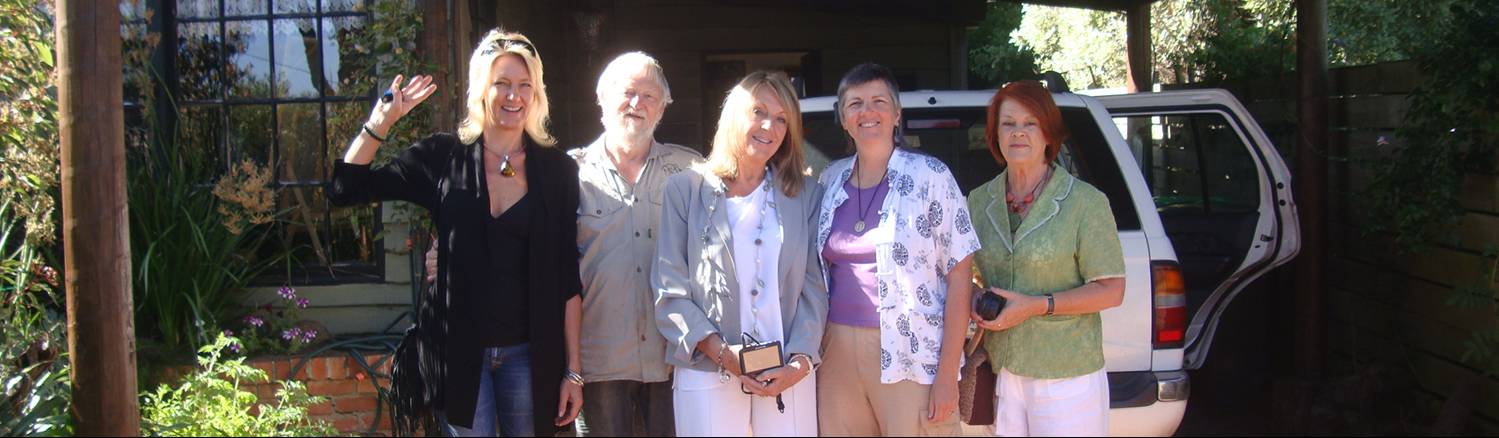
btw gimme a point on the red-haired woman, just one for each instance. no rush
(1051, 249)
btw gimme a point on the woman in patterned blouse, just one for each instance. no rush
(895, 236)
(1052, 251)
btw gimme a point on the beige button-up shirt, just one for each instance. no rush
(617, 241)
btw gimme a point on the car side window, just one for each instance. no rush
(1193, 163)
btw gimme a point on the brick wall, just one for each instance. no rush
(350, 390)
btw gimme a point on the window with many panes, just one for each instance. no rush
(286, 84)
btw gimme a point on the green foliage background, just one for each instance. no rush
(1191, 40)
(33, 363)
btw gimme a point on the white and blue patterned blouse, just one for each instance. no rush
(924, 231)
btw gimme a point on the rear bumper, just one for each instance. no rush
(1147, 403)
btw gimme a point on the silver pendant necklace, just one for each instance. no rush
(864, 211)
(767, 207)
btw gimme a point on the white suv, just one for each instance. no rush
(1201, 197)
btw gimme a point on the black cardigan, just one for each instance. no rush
(442, 174)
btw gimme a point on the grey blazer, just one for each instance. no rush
(693, 274)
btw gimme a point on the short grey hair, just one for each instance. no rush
(630, 63)
(862, 74)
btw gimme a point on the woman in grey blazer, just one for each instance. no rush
(735, 258)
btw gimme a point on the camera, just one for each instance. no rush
(989, 305)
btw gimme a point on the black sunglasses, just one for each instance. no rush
(500, 44)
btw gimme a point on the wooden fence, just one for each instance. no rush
(1389, 319)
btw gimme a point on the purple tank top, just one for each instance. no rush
(853, 293)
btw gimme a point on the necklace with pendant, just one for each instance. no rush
(1023, 205)
(506, 170)
(864, 211)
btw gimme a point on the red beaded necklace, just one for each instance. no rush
(1024, 204)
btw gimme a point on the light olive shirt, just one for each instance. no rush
(617, 232)
(1068, 239)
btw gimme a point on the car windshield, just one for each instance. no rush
(956, 136)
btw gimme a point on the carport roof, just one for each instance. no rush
(1106, 5)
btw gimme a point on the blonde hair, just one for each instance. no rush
(729, 141)
(496, 44)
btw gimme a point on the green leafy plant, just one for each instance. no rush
(28, 117)
(193, 251)
(992, 59)
(33, 365)
(212, 402)
(1450, 130)
(34, 386)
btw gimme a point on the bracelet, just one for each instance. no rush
(814, 365)
(574, 377)
(371, 133)
(723, 345)
(1051, 305)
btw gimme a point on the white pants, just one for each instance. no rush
(705, 407)
(1077, 406)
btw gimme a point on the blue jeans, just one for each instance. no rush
(504, 404)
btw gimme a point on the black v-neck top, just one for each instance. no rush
(505, 297)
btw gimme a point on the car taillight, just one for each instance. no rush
(1170, 297)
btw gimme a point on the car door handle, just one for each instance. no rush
(1266, 238)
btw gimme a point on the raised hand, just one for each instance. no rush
(403, 100)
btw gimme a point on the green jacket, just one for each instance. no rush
(1067, 240)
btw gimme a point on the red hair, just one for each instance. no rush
(1034, 97)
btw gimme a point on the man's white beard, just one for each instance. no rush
(622, 132)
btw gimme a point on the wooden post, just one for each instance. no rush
(1311, 188)
(96, 238)
(436, 35)
(1137, 48)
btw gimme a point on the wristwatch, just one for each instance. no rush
(1051, 305)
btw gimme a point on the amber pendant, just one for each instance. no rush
(506, 170)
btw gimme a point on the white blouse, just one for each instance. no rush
(924, 231)
(762, 318)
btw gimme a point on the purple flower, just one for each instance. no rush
(291, 333)
(228, 333)
(234, 347)
(303, 302)
(287, 293)
(309, 336)
(254, 321)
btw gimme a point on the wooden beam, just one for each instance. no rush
(1101, 5)
(435, 39)
(1137, 48)
(1311, 188)
(96, 237)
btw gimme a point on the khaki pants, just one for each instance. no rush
(851, 401)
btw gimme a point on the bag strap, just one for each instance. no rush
(974, 342)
